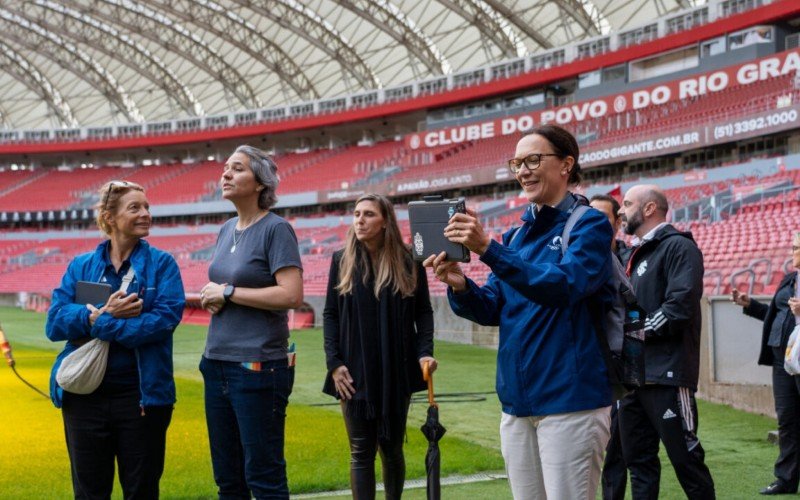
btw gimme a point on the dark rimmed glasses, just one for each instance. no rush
(531, 162)
(112, 186)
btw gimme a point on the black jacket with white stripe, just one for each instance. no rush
(667, 277)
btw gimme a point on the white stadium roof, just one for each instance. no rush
(100, 62)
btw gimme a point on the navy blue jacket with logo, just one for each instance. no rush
(667, 277)
(548, 358)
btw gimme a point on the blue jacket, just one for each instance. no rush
(548, 359)
(149, 334)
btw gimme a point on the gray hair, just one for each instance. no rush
(266, 172)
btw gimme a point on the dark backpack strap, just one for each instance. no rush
(573, 219)
(595, 308)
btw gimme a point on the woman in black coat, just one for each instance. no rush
(779, 321)
(378, 326)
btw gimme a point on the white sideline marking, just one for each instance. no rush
(415, 483)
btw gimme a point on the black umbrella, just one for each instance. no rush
(433, 431)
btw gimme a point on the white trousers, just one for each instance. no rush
(555, 457)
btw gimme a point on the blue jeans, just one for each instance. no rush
(246, 417)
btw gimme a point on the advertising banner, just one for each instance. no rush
(748, 73)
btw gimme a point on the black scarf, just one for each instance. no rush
(376, 353)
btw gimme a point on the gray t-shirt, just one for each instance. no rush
(246, 334)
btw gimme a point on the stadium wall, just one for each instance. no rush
(729, 348)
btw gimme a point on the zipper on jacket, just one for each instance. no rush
(141, 391)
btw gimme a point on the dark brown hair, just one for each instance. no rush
(608, 199)
(564, 144)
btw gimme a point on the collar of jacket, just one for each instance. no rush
(547, 212)
(788, 280)
(667, 232)
(138, 258)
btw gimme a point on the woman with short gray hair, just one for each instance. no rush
(266, 173)
(255, 277)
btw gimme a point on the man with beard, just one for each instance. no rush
(666, 272)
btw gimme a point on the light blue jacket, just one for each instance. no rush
(548, 359)
(149, 334)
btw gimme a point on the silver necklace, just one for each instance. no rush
(233, 248)
(235, 241)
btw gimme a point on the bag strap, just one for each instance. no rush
(594, 308)
(127, 279)
(573, 219)
(514, 236)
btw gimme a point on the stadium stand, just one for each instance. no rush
(725, 212)
(55, 190)
(349, 166)
(729, 103)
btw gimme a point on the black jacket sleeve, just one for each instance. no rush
(330, 315)
(684, 289)
(423, 315)
(756, 309)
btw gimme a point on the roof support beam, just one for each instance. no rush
(577, 11)
(391, 20)
(223, 23)
(530, 31)
(489, 22)
(23, 70)
(174, 38)
(69, 56)
(70, 23)
(306, 23)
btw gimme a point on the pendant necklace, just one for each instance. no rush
(235, 240)
(233, 248)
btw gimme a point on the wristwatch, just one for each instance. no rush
(228, 292)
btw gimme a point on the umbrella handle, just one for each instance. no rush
(428, 377)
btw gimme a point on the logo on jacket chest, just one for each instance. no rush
(555, 244)
(642, 268)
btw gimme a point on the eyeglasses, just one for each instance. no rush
(112, 186)
(531, 162)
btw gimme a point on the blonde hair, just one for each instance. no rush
(392, 264)
(108, 203)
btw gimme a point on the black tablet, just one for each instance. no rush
(88, 292)
(428, 219)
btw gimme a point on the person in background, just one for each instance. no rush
(552, 379)
(610, 207)
(780, 318)
(666, 272)
(615, 475)
(255, 277)
(378, 328)
(126, 418)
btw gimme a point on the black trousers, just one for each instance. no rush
(786, 389)
(659, 412)
(365, 443)
(102, 428)
(615, 473)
